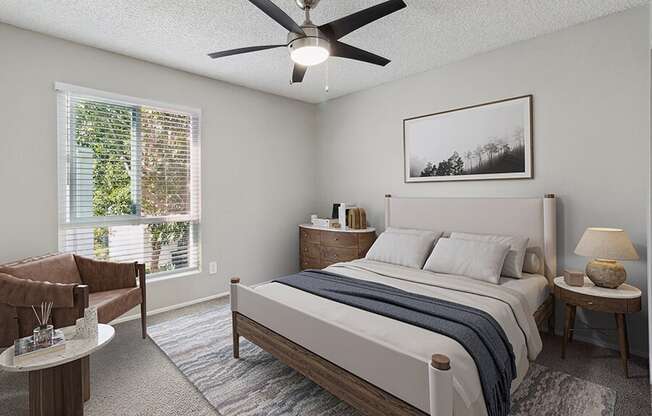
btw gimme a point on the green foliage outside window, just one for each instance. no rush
(163, 168)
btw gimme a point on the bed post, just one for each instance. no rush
(550, 248)
(550, 236)
(441, 386)
(235, 281)
(387, 200)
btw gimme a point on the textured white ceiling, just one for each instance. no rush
(179, 34)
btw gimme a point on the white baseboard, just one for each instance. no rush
(176, 306)
(604, 344)
(169, 308)
(608, 345)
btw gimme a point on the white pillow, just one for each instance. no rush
(513, 266)
(477, 259)
(404, 247)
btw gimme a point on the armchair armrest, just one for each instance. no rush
(101, 276)
(80, 296)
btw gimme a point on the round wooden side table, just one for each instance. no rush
(621, 301)
(55, 378)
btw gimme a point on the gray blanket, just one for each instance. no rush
(477, 331)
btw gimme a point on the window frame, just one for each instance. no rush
(66, 175)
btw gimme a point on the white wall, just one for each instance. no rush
(258, 153)
(591, 88)
(591, 135)
(649, 224)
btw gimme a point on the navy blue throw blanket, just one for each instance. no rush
(477, 331)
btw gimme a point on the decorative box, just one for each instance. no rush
(323, 222)
(574, 277)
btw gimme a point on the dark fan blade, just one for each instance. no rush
(342, 27)
(242, 50)
(343, 50)
(298, 73)
(273, 11)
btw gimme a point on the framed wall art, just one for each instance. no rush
(484, 141)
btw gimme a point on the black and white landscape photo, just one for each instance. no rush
(487, 141)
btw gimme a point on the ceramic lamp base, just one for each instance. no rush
(606, 273)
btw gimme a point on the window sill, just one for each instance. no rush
(169, 276)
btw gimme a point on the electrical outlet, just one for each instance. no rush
(212, 267)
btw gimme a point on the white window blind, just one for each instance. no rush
(128, 180)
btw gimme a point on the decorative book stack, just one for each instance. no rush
(357, 218)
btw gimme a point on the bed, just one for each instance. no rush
(382, 366)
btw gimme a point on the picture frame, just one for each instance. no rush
(487, 141)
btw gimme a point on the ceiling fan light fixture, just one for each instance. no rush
(309, 55)
(309, 44)
(309, 51)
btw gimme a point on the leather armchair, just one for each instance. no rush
(72, 282)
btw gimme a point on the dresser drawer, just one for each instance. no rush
(594, 303)
(309, 236)
(337, 254)
(309, 249)
(339, 239)
(366, 240)
(310, 263)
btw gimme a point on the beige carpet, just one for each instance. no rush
(131, 376)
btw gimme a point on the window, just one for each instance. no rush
(128, 180)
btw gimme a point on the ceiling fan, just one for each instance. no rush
(310, 44)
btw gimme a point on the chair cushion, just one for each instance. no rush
(113, 303)
(102, 276)
(55, 268)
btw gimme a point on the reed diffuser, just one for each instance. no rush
(43, 334)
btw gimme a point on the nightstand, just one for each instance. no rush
(621, 301)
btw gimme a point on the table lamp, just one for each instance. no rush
(606, 246)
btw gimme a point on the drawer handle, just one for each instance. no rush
(589, 303)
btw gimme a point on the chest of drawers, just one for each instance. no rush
(320, 247)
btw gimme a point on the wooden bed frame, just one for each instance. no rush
(348, 387)
(357, 392)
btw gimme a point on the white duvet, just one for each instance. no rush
(507, 306)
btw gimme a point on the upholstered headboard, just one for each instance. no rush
(535, 218)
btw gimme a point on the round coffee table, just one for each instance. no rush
(55, 378)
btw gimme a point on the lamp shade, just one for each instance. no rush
(606, 243)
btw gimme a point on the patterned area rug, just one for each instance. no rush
(257, 384)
